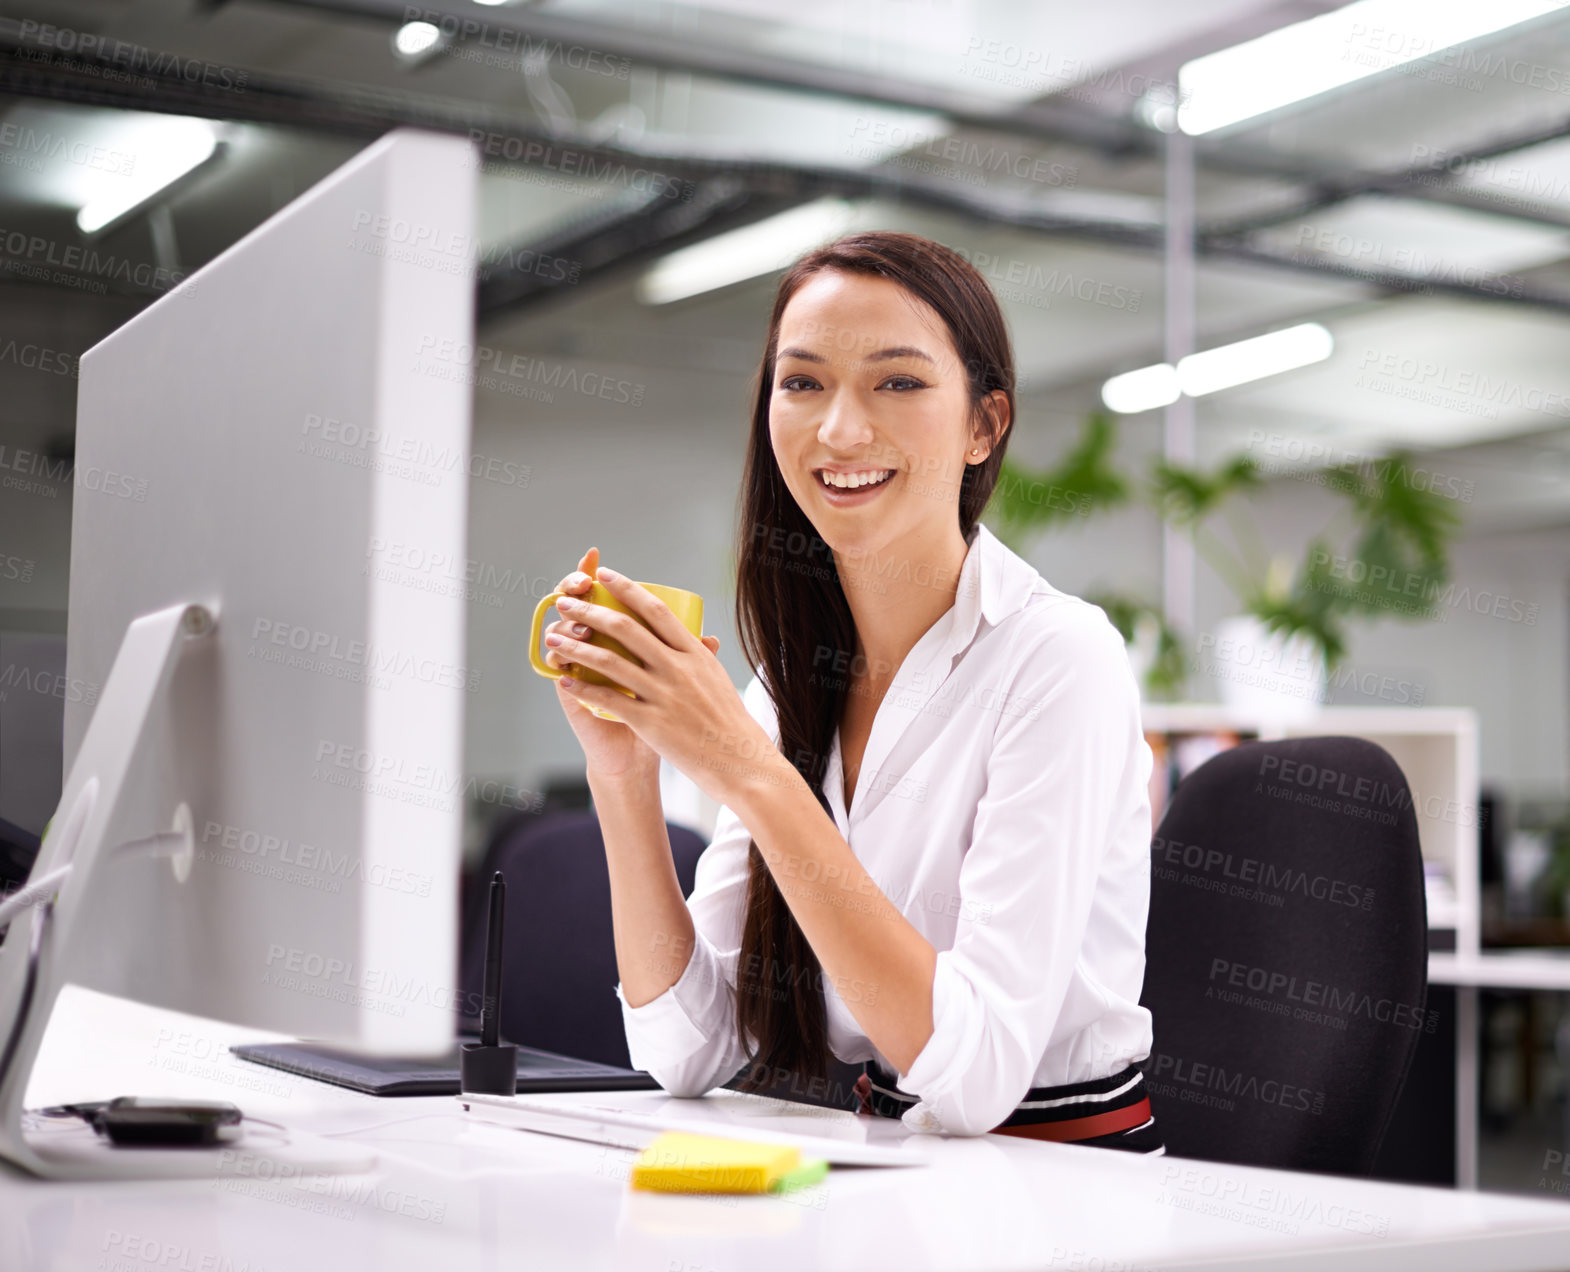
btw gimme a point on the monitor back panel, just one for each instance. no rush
(282, 438)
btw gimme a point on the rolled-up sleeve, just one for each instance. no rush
(686, 1038)
(1064, 765)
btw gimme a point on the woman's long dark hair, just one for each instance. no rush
(790, 606)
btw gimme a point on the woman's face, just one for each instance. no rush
(869, 394)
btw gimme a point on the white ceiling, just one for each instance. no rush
(999, 50)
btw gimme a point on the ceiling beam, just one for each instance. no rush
(1046, 119)
(1501, 288)
(538, 28)
(364, 111)
(618, 243)
(1433, 181)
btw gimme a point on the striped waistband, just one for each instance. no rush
(1073, 1111)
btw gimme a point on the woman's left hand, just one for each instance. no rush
(687, 709)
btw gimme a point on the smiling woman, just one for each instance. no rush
(933, 851)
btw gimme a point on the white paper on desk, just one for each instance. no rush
(625, 1127)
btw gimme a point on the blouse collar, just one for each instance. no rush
(993, 583)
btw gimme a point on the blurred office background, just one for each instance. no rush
(1383, 188)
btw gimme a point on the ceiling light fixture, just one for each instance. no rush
(415, 39)
(165, 152)
(1223, 367)
(1254, 359)
(1142, 390)
(1357, 40)
(753, 250)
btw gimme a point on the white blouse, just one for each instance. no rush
(1003, 806)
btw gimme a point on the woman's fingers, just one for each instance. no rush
(611, 665)
(653, 611)
(639, 642)
(575, 584)
(554, 658)
(579, 580)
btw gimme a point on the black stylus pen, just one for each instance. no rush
(490, 1006)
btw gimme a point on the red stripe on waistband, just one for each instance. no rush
(1080, 1128)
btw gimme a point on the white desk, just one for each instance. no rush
(1491, 969)
(450, 1193)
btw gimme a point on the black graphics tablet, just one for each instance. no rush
(372, 1075)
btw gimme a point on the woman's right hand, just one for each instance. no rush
(611, 748)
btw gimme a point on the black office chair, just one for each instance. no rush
(1286, 955)
(559, 958)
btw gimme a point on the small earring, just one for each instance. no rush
(975, 450)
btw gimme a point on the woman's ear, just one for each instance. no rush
(997, 417)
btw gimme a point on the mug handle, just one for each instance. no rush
(535, 661)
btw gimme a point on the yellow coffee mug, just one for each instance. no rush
(687, 606)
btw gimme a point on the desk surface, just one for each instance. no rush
(450, 1192)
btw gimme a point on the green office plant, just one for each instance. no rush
(1027, 502)
(1144, 628)
(1384, 554)
(1556, 876)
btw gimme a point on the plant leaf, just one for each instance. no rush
(1084, 481)
(1168, 672)
(1188, 495)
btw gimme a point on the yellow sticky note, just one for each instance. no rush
(677, 1162)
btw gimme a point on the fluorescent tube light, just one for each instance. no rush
(1215, 369)
(1336, 48)
(1254, 359)
(748, 252)
(165, 152)
(1142, 390)
(415, 38)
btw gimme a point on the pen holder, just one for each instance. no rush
(488, 1070)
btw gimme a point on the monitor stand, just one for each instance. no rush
(88, 830)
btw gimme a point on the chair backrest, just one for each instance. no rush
(558, 957)
(1286, 956)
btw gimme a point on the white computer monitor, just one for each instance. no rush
(271, 491)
